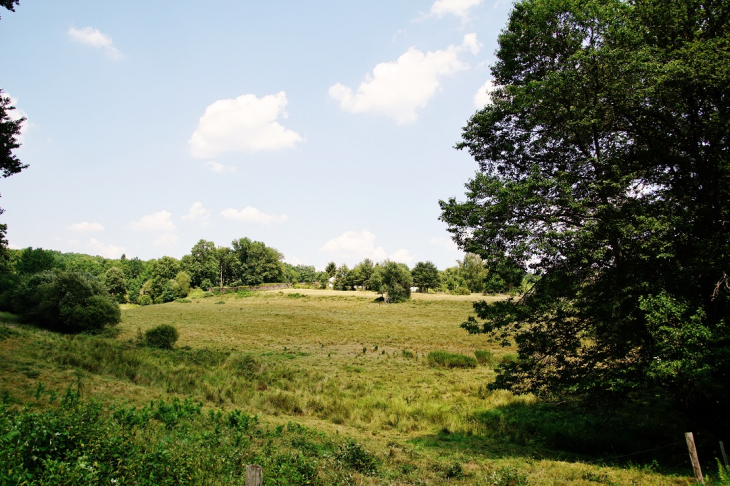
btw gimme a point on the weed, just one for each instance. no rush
(450, 360)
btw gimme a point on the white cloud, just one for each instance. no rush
(250, 214)
(460, 8)
(355, 246)
(402, 256)
(159, 221)
(96, 39)
(445, 243)
(292, 260)
(86, 227)
(244, 124)
(107, 251)
(398, 89)
(481, 98)
(198, 213)
(166, 240)
(219, 168)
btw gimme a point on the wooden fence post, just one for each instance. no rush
(693, 457)
(724, 456)
(254, 476)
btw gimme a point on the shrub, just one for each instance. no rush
(450, 360)
(485, 358)
(163, 336)
(144, 300)
(67, 301)
(357, 457)
(461, 291)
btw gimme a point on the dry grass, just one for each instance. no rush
(331, 360)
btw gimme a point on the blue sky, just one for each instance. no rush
(324, 129)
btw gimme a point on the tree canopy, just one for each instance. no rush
(604, 168)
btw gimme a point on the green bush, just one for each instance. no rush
(144, 300)
(67, 301)
(163, 336)
(450, 360)
(485, 358)
(461, 291)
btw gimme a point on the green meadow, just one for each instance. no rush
(352, 390)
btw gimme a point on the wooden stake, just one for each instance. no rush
(724, 456)
(693, 457)
(254, 476)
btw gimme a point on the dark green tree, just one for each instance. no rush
(35, 260)
(257, 263)
(393, 280)
(116, 284)
(362, 272)
(425, 276)
(9, 4)
(604, 165)
(202, 263)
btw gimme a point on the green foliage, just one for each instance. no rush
(353, 455)
(144, 300)
(163, 336)
(450, 360)
(256, 263)
(116, 283)
(164, 442)
(392, 280)
(508, 476)
(36, 260)
(9, 133)
(723, 475)
(67, 301)
(485, 358)
(604, 167)
(425, 276)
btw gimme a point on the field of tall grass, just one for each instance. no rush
(400, 380)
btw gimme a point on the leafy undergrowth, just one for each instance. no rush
(75, 441)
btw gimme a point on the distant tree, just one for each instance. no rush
(257, 263)
(67, 301)
(307, 273)
(226, 265)
(202, 263)
(425, 276)
(331, 268)
(35, 260)
(451, 279)
(116, 284)
(362, 272)
(164, 272)
(343, 278)
(473, 271)
(393, 280)
(182, 284)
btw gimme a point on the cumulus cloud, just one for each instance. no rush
(355, 246)
(219, 168)
(250, 214)
(243, 124)
(292, 260)
(197, 213)
(399, 88)
(402, 256)
(86, 227)
(95, 38)
(166, 240)
(460, 8)
(159, 221)
(481, 98)
(107, 251)
(444, 242)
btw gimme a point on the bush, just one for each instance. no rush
(144, 300)
(485, 358)
(163, 336)
(67, 301)
(450, 360)
(461, 291)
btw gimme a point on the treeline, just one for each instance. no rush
(44, 285)
(470, 275)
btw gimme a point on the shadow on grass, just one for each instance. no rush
(638, 435)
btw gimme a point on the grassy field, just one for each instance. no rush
(345, 366)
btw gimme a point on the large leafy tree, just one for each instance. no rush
(425, 276)
(256, 262)
(604, 165)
